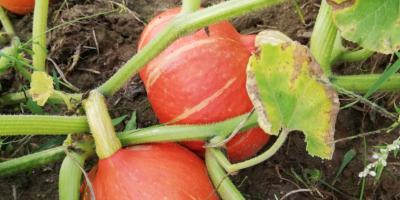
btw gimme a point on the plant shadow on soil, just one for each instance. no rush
(116, 41)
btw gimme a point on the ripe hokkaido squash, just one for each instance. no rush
(201, 79)
(150, 171)
(20, 6)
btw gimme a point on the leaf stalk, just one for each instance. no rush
(226, 189)
(323, 37)
(39, 41)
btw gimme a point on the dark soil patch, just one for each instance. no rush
(104, 43)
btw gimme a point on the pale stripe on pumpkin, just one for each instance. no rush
(154, 69)
(203, 103)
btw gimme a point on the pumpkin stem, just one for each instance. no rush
(101, 125)
(189, 6)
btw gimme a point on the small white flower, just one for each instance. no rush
(391, 147)
(376, 156)
(384, 163)
(372, 173)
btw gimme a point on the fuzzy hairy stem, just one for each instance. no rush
(70, 172)
(41, 125)
(226, 189)
(50, 124)
(31, 161)
(362, 83)
(175, 133)
(355, 56)
(253, 161)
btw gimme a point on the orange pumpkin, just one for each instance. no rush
(201, 79)
(150, 171)
(20, 6)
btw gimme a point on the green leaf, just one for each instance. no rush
(9, 147)
(380, 147)
(299, 11)
(395, 152)
(131, 125)
(312, 175)
(34, 107)
(50, 143)
(16, 60)
(347, 158)
(30, 52)
(284, 84)
(378, 170)
(297, 177)
(338, 191)
(55, 80)
(373, 24)
(4, 60)
(396, 108)
(118, 120)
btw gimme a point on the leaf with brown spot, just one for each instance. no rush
(373, 24)
(289, 91)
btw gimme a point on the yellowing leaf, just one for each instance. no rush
(41, 87)
(284, 83)
(373, 24)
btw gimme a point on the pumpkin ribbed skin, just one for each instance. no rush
(20, 6)
(201, 79)
(151, 171)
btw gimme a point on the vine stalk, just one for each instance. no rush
(253, 161)
(39, 41)
(70, 172)
(226, 189)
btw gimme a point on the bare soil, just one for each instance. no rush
(104, 43)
